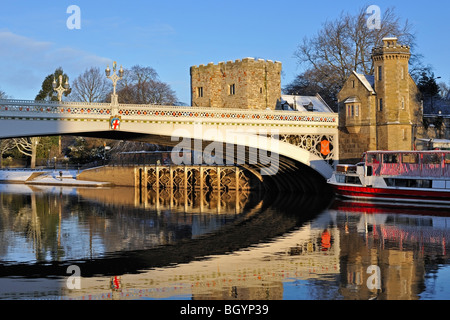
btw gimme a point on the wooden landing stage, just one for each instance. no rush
(194, 177)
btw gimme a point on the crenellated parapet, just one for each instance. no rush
(390, 49)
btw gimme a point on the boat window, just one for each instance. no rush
(401, 182)
(390, 182)
(424, 183)
(353, 180)
(411, 158)
(373, 158)
(390, 158)
(408, 183)
(447, 158)
(431, 158)
(340, 178)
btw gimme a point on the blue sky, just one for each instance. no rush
(171, 36)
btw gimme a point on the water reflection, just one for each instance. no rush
(50, 224)
(407, 244)
(217, 246)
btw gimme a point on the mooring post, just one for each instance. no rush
(218, 201)
(185, 177)
(218, 177)
(201, 199)
(157, 176)
(238, 198)
(157, 200)
(201, 178)
(145, 178)
(171, 177)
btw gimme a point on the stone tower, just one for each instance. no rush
(244, 84)
(396, 103)
(381, 111)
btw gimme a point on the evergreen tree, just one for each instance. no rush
(47, 92)
(429, 89)
(427, 84)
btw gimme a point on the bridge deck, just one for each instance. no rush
(64, 110)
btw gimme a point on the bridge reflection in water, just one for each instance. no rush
(275, 247)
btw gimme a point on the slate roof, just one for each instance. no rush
(306, 103)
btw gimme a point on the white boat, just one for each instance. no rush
(407, 177)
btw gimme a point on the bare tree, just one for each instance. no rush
(28, 147)
(3, 95)
(345, 44)
(5, 146)
(141, 85)
(90, 86)
(444, 90)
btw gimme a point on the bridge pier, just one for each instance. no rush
(198, 177)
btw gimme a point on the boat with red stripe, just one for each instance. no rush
(408, 177)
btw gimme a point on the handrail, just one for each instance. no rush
(139, 110)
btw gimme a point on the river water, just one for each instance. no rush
(119, 243)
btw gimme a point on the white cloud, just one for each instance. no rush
(25, 62)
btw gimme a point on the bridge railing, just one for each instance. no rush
(52, 108)
(48, 107)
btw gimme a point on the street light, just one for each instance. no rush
(60, 89)
(114, 78)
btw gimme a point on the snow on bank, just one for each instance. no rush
(46, 177)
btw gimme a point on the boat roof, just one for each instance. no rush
(408, 151)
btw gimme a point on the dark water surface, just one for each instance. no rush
(233, 246)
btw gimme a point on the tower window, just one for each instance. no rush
(232, 89)
(380, 73)
(380, 105)
(200, 92)
(403, 103)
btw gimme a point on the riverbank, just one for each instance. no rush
(47, 177)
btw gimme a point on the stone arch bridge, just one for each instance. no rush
(288, 150)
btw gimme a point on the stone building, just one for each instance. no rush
(244, 84)
(382, 111)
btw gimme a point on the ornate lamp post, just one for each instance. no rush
(114, 78)
(60, 89)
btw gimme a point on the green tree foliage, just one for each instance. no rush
(47, 93)
(427, 84)
(85, 150)
(47, 145)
